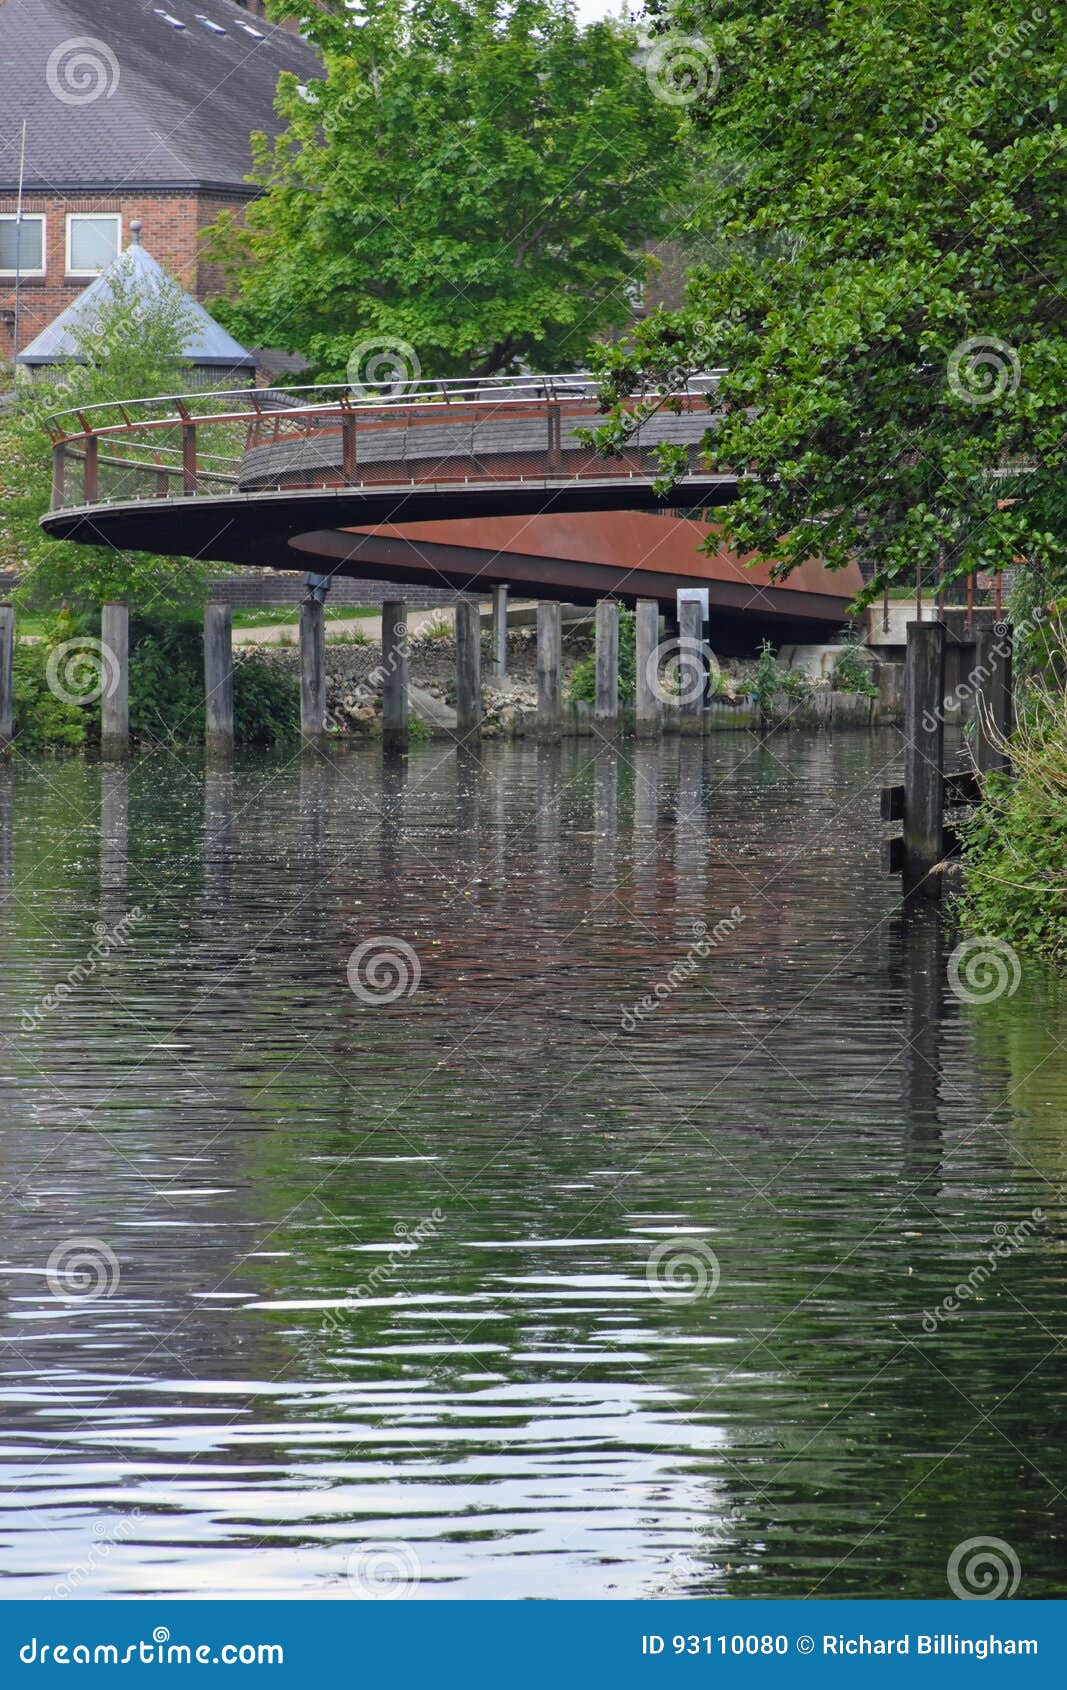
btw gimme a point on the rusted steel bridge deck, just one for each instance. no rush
(413, 485)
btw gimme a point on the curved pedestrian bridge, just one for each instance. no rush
(343, 480)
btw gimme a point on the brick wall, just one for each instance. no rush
(255, 588)
(171, 229)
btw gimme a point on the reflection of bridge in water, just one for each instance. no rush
(470, 485)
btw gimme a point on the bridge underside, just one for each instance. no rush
(567, 540)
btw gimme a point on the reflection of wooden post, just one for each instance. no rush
(312, 672)
(549, 662)
(468, 668)
(647, 700)
(395, 675)
(218, 680)
(994, 698)
(692, 677)
(115, 673)
(607, 664)
(7, 674)
(924, 772)
(499, 636)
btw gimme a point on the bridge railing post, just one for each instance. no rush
(312, 672)
(468, 668)
(924, 764)
(647, 703)
(607, 665)
(395, 675)
(549, 664)
(218, 681)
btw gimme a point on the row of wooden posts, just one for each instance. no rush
(928, 840)
(219, 671)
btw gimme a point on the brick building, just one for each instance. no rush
(133, 111)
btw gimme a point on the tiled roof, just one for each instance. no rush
(116, 98)
(207, 342)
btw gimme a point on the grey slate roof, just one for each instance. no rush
(176, 113)
(206, 344)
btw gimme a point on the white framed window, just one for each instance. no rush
(22, 245)
(94, 239)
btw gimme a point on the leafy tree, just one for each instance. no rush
(471, 179)
(129, 349)
(882, 241)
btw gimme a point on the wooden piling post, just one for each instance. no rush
(994, 711)
(607, 665)
(647, 704)
(218, 680)
(7, 674)
(394, 675)
(549, 663)
(312, 671)
(499, 636)
(692, 676)
(924, 766)
(468, 668)
(115, 699)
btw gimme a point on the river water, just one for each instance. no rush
(373, 1225)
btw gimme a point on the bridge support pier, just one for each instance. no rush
(647, 711)
(607, 665)
(468, 668)
(312, 672)
(924, 759)
(995, 703)
(7, 674)
(218, 681)
(549, 662)
(395, 675)
(692, 674)
(499, 636)
(115, 699)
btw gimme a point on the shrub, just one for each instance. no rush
(1015, 844)
(851, 673)
(582, 683)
